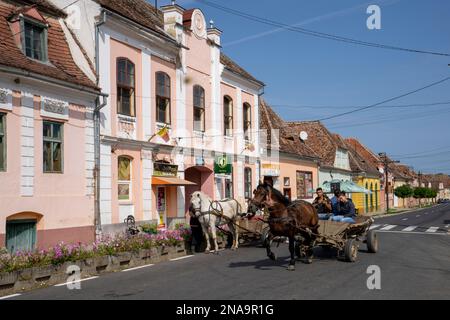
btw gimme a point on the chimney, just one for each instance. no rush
(173, 20)
(214, 33)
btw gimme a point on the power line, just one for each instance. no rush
(356, 107)
(315, 33)
(386, 101)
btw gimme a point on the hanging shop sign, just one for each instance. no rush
(161, 169)
(270, 170)
(223, 165)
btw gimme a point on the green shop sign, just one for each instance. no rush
(223, 165)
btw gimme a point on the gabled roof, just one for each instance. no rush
(237, 69)
(320, 140)
(289, 141)
(60, 66)
(360, 165)
(366, 154)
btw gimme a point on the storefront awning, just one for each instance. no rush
(171, 181)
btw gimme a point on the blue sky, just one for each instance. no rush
(300, 70)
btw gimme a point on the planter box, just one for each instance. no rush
(121, 260)
(36, 277)
(101, 264)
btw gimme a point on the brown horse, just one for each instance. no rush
(287, 219)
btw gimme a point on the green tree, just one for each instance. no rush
(404, 192)
(420, 193)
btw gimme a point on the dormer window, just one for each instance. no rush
(34, 40)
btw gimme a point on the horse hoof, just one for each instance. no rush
(207, 252)
(272, 256)
(308, 260)
(291, 268)
(233, 249)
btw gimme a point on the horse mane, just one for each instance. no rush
(280, 197)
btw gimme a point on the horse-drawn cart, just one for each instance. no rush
(344, 237)
(252, 229)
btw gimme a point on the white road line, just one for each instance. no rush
(409, 229)
(432, 229)
(374, 226)
(418, 216)
(388, 227)
(405, 219)
(137, 268)
(72, 282)
(11, 296)
(420, 233)
(181, 258)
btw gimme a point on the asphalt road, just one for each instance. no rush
(414, 265)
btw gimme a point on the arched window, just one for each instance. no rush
(248, 183)
(126, 98)
(199, 109)
(247, 121)
(124, 178)
(371, 196)
(228, 116)
(367, 198)
(376, 196)
(162, 98)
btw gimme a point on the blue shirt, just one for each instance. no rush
(334, 203)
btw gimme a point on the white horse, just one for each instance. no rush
(202, 206)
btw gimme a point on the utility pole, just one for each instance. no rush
(386, 162)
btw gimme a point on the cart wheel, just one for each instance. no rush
(372, 241)
(351, 250)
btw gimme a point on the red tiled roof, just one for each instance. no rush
(187, 18)
(139, 11)
(358, 164)
(60, 66)
(368, 155)
(289, 141)
(320, 140)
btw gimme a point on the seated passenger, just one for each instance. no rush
(322, 204)
(346, 211)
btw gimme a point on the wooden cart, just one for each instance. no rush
(345, 237)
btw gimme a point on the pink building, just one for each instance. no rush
(164, 72)
(47, 99)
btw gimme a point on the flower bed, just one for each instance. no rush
(28, 270)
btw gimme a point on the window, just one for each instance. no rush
(53, 147)
(376, 196)
(228, 116)
(228, 188)
(247, 121)
(124, 178)
(20, 235)
(2, 142)
(304, 185)
(341, 160)
(162, 98)
(371, 196)
(34, 40)
(126, 99)
(248, 183)
(199, 109)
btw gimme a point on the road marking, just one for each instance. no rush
(11, 296)
(374, 226)
(405, 219)
(420, 233)
(388, 227)
(181, 258)
(137, 268)
(432, 229)
(409, 229)
(72, 282)
(418, 216)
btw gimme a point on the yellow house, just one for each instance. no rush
(366, 175)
